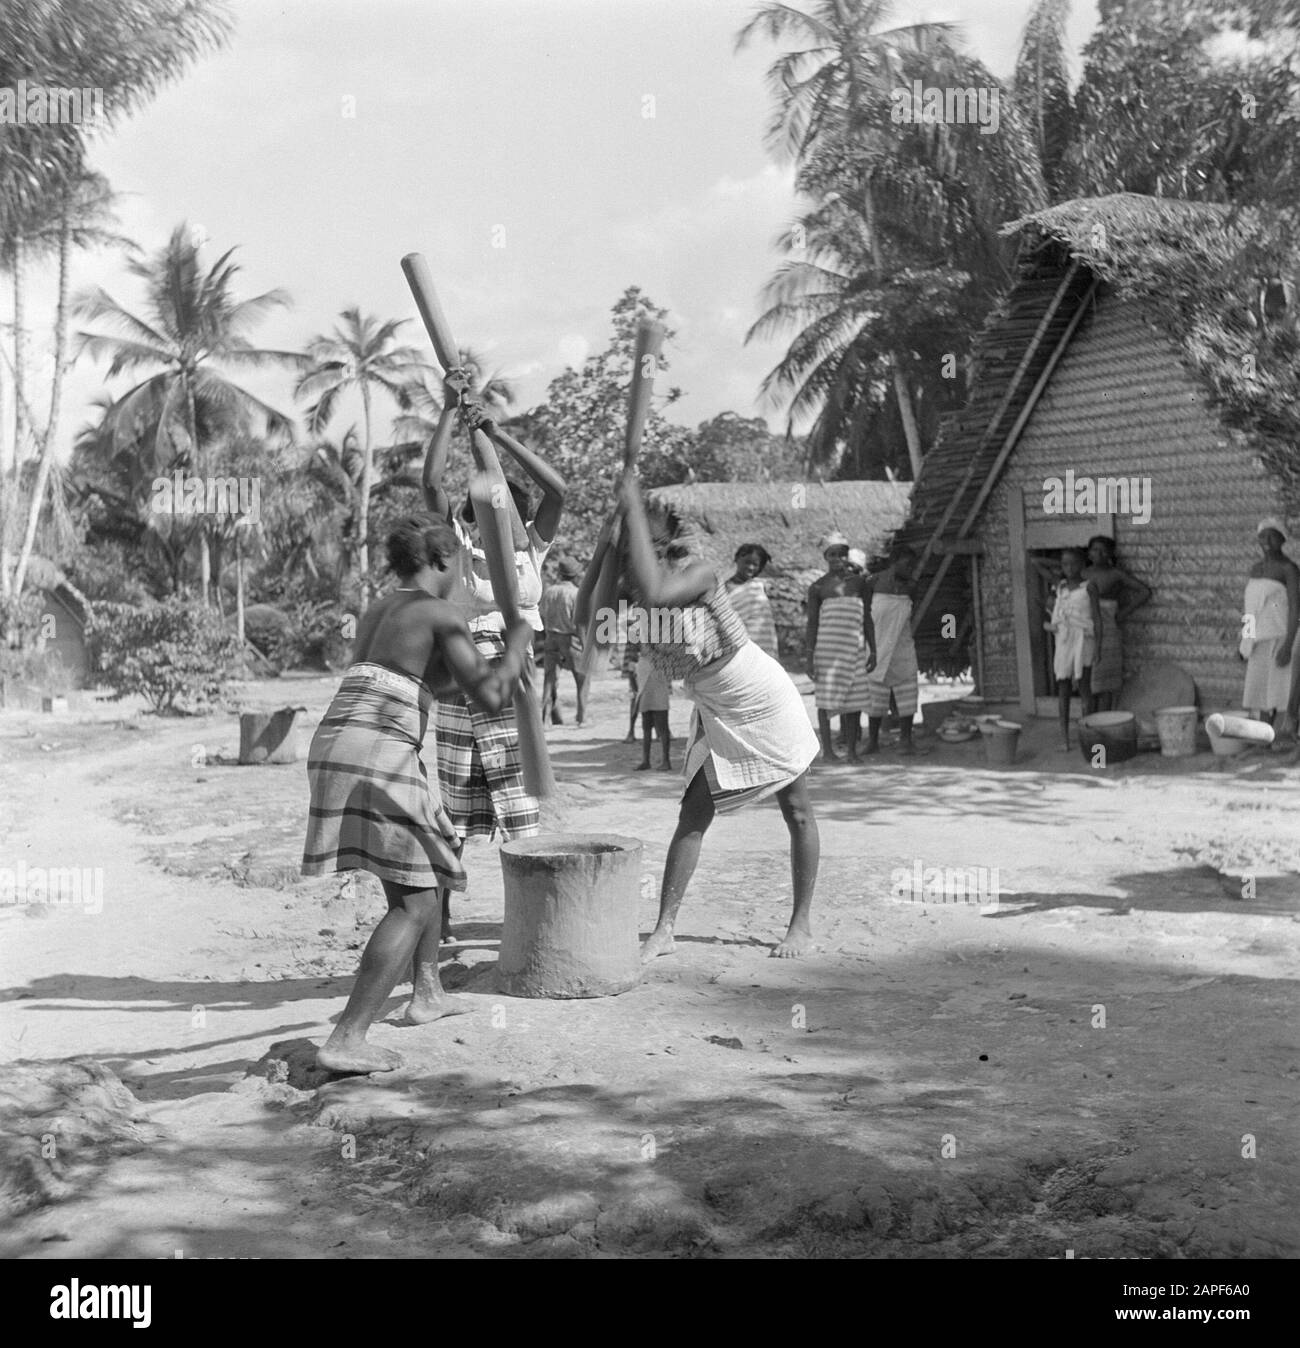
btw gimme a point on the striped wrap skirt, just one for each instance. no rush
(372, 805)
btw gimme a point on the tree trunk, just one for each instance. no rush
(905, 411)
(6, 489)
(901, 391)
(363, 504)
(192, 426)
(239, 589)
(56, 392)
(20, 359)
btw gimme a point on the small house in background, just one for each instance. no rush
(1133, 349)
(64, 616)
(789, 519)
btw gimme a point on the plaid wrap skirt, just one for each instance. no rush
(480, 771)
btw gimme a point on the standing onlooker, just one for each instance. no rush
(1112, 585)
(1272, 618)
(841, 647)
(563, 641)
(1076, 625)
(748, 596)
(894, 678)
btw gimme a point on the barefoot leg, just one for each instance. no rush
(805, 858)
(827, 737)
(683, 856)
(873, 734)
(426, 989)
(665, 740)
(852, 723)
(386, 957)
(581, 685)
(551, 687)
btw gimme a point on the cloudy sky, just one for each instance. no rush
(508, 140)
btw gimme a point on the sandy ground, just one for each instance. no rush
(1104, 1062)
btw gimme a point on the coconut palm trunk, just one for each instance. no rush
(56, 396)
(906, 412)
(20, 350)
(363, 502)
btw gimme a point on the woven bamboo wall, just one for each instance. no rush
(1122, 404)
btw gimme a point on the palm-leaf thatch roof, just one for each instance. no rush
(43, 574)
(789, 519)
(1195, 269)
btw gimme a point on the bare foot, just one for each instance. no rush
(798, 941)
(642, 767)
(871, 749)
(556, 719)
(361, 1057)
(657, 943)
(629, 738)
(906, 748)
(665, 767)
(422, 1012)
(830, 756)
(854, 757)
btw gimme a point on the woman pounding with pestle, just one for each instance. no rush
(371, 807)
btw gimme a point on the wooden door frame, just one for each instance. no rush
(1024, 538)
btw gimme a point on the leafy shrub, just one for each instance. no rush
(177, 654)
(20, 619)
(323, 633)
(36, 668)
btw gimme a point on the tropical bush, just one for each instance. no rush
(179, 655)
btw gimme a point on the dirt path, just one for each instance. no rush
(1080, 1068)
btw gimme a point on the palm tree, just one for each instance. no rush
(85, 220)
(931, 197)
(360, 355)
(832, 104)
(195, 329)
(129, 51)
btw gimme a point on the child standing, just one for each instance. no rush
(1076, 625)
(889, 594)
(654, 698)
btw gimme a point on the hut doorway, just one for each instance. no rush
(1036, 547)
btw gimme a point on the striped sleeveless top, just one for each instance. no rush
(695, 636)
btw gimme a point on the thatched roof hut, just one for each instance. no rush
(1132, 347)
(789, 519)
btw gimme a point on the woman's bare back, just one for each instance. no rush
(405, 632)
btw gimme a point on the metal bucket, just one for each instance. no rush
(1176, 727)
(1000, 741)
